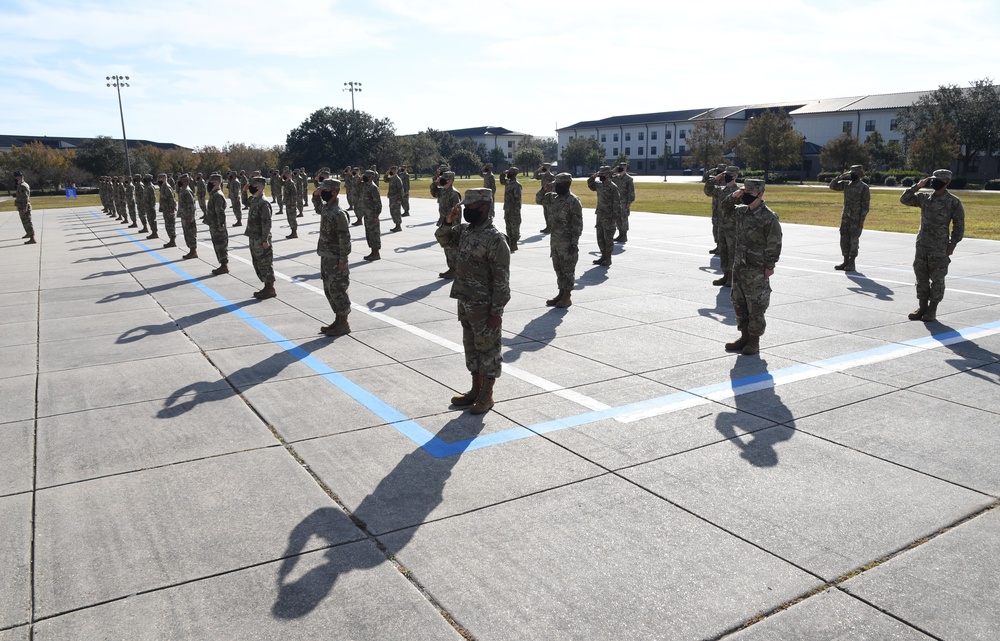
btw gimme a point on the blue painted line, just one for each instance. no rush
(440, 448)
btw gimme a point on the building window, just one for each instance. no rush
(682, 134)
(892, 125)
(571, 137)
(639, 151)
(680, 149)
(615, 137)
(847, 126)
(510, 144)
(667, 135)
(604, 137)
(640, 163)
(652, 151)
(869, 125)
(510, 154)
(641, 134)
(652, 136)
(628, 151)
(615, 152)
(628, 136)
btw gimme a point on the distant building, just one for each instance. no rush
(492, 137)
(7, 143)
(644, 138)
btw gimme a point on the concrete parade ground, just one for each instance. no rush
(181, 461)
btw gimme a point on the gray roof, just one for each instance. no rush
(71, 142)
(637, 119)
(861, 103)
(487, 130)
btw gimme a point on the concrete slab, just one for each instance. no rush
(15, 560)
(521, 569)
(19, 360)
(830, 615)
(15, 634)
(764, 487)
(17, 457)
(17, 398)
(24, 333)
(947, 586)
(390, 483)
(113, 537)
(346, 592)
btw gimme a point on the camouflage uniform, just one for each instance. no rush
(244, 194)
(446, 199)
(186, 212)
(395, 196)
(289, 196)
(140, 195)
(102, 192)
(351, 184)
(368, 203)
(235, 198)
(201, 191)
(706, 178)
(609, 207)
(512, 192)
(275, 182)
(857, 200)
(334, 247)
(490, 182)
(546, 177)
(626, 187)
(215, 218)
(301, 187)
(119, 197)
(758, 246)
(258, 232)
(566, 214)
(149, 201)
(482, 288)
(724, 223)
(939, 215)
(130, 202)
(22, 201)
(405, 177)
(168, 207)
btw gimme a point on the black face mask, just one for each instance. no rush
(442, 181)
(253, 190)
(562, 188)
(748, 198)
(511, 175)
(473, 215)
(160, 183)
(855, 177)
(366, 179)
(604, 179)
(937, 183)
(327, 196)
(729, 178)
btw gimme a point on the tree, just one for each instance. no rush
(578, 151)
(209, 160)
(622, 158)
(419, 151)
(594, 159)
(336, 137)
(768, 141)
(936, 146)
(549, 147)
(101, 156)
(446, 143)
(464, 162)
(884, 155)
(42, 166)
(496, 157)
(477, 148)
(706, 144)
(528, 158)
(842, 152)
(250, 157)
(974, 113)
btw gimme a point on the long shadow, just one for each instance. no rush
(757, 446)
(406, 496)
(540, 330)
(525, 240)
(416, 294)
(144, 331)
(146, 291)
(108, 257)
(723, 310)
(869, 287)
(969, 356)
(411, 248)
(592, 277)
(427, 224)
(120, 272)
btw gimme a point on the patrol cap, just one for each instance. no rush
(942, 174)
(137, 177)
(564, 177)
(330, 184)
(604, 169)
(258, 180)
(732, 169)
(163, 176)
(546, 164)
(371, 173)
(472, 196)
(721, 167)
(186, 177)
(215, 178)
(448, 174)
(148, 177)
(513, 169)
(18, 173)
(857, 169)
(753, 184)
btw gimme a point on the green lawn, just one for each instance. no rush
(794, 204)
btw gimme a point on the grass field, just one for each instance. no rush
(793, 203)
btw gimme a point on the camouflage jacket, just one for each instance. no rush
(405, 177)
(609, 199)
(289, 194)
(129, 193)
(395, 188)
(718, 191)
(489, 181)
(758, 237)
(626, 186)
(185, 204)
(215, 213)
(234, 188)
(482, 266)
(119, 193)
(938, 216)
(857, 199)
(512, 195)
(369, 199)
(727, 211)
(201, 189)
(447, 198)
(22, 199)
(545, 176)
(334, 232)
(168, 204)
(302, 184)
(149, 198)
(275, 183)
(259, 218)
(566, 216)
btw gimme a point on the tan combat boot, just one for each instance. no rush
(464, 400)
(484, 402)
(740, 343)
(555, 299)
(752, 346)
(931, 314)
(919, 313)
(564, 298)
(267, 292)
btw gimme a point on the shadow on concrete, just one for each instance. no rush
(403, 499)
(757, 446)
(970, 355)
(723, 310)
(108, 257)
(539, 330)
(411, 296)
(868, 287)
(146, 291)
(411, 248)
(144, 331)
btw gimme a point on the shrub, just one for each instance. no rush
(890, 181)
(993, 185)
(958, 183)
(907, 182)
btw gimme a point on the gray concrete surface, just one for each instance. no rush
(181, 461)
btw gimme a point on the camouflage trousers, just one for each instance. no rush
(350, 199)
(300, 207)
(716, 229)
(220, 241)
(151, 218)
(373, 233)
(482, 344)
(751, 295)
(290, 216)
(203, 206)
(237, 208)
(120, 207)
(170, 224)
(727, 247)
(622, 223)
(190, 230)
(395, 210)
(512, 220)
(605, 233)
(406, 204)
(564, 263)
(930, 267)
(26, 221)
(245, 199)
(850, 234)
(335, 284)
(132, 212)
(263, 259)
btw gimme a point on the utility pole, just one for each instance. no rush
(119, 82)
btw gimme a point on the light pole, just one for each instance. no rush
(119, 82)
(352, 87)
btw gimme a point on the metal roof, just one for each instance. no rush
(488, 130)
(637, 119)
(827, 105)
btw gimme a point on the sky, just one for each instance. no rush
(208, 73)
